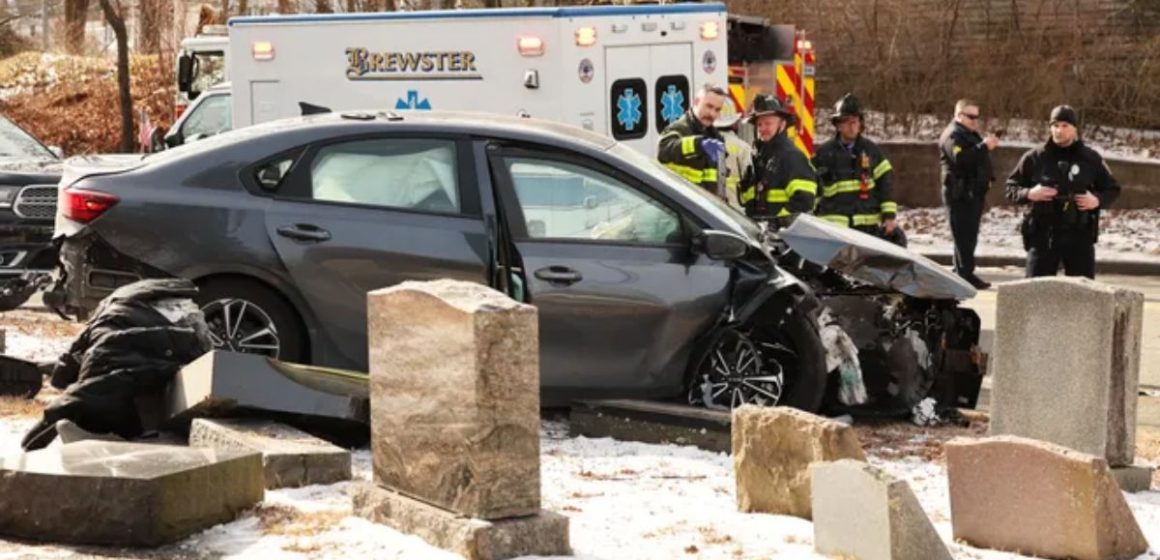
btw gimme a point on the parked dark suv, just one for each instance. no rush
(645, 285)
(29, 173)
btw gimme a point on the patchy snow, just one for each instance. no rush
(1124, 234)
(1115, 143)
(34, 348)
(625, 500)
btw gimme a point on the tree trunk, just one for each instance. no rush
(243, 7)
(390, 6)
(117, 22)
(284, 7)
(323, 7)
(150, 25)
(75, 14)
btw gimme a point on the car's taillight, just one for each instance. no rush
(85, 206)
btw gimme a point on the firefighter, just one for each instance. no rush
(691, 145)
(1066, 184)
(783, 183)
(738, 156)
(855, 177)
(965, 159)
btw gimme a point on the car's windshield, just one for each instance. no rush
(654, 168)
(14, 142)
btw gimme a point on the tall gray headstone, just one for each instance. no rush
(1066, 363)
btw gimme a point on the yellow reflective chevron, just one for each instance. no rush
(801, 185)
(688, 145)
(882, 168)
(867, 219)
(692, 175)
(836, 219)
(748, 194)
(709, 176)
(776, 196)
(850, 186)
(889, 208)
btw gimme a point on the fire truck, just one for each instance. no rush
(765, 58)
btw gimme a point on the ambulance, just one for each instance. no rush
(623, 71)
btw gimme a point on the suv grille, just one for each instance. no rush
(37, 202)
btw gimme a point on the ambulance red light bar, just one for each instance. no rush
(710, 30)
(586, 36)
(262, 50)
(530, 46)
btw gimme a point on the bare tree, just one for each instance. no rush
(114, 14)
(323, 7)
(75, 14)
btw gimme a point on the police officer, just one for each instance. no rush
(691, 145)
(784, 183)
(965, 158)
(1066, 184)
(738, 155)
(856, 177)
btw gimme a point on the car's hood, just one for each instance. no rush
(872, 260)
(37, 166)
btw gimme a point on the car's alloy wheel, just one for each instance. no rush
(238, 325)
(737, 370)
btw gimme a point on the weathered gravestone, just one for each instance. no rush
(772, 452)
(290, 457)
(862, 512)
(1040, 499)
(124, 494)
(222, 382)
(455, 418)
(1066, 365)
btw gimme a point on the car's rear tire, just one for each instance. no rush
(247, 316)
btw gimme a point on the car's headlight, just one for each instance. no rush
(8, 195)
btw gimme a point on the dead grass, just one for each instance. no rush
(16, 407)
(283, 520)
(898, 440)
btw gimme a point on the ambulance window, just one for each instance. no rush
(672, 99)
(629, 109)
(411, 174)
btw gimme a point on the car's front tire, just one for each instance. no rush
(247, 316)
(782, 365)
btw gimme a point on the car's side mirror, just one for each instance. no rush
(722, 245)
(184, 73)
(57, 151)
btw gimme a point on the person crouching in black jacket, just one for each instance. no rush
(1065, 183)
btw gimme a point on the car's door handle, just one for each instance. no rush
(304, 232)
(558, 275)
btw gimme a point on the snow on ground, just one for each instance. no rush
(625, 500)
(1124, 234)
(1112, 142)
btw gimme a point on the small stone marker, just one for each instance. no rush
(1066, 363)
(862, 512)
(290, 457)
(1036, 498)
(124, 494)
(772, 452)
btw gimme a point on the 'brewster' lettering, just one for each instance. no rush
(360, 62)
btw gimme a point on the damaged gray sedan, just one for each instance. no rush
(646, 286)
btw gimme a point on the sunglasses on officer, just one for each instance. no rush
(970, 116)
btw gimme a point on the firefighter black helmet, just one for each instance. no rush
(847, 106)
(769, 105)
